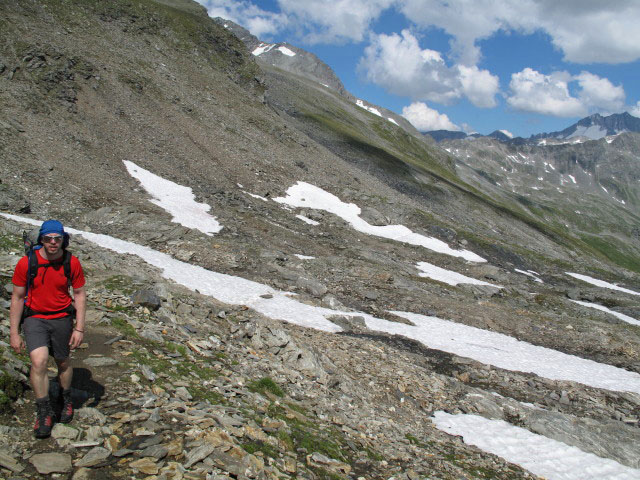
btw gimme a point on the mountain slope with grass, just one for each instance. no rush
(311, 335)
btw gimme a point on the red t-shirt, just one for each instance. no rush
(49, 291)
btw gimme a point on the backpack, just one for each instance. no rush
(32, 243)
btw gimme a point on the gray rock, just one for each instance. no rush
(151, 335)
(148, 373)
(198, 454)
(47, 463)
(147, 299)
(348, 323)
(61, 430)
(91, 415)
(183, 394)
(373, 216)
(156, 451)
(93, 457)
(100, 361)
(10, 463)
(311, 286)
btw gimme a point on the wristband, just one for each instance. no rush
(81, 331)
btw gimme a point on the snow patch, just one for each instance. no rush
(307, 220)
(288, 52)
(305, 195)
(262, 48)
(529, 273)
(176, 199)
(600, 283)
(594, 132)
(256, 196)
(373, 110)
(447, 276)
(621, 316)
(540, 455)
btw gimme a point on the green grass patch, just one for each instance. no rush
(175, 348)
(203, 394)
(256, 446)
(315, 441)
(119, 283)
(266, 384)
(125, 327)
(11, 243)
(10, 390)
(286, 439)
(614, 253)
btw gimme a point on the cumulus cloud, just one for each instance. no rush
(426, 119)
(479, 86)
(337, 22)
(547, 94)
(398, 64)
(533, 91)
(585, 32)
(600, 93)
(635, 110)
(258, 21)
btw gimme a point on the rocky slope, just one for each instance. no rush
(195, 387)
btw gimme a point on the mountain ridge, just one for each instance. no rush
(593, 127)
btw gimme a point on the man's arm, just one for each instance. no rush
(80, 302)
(15, 315)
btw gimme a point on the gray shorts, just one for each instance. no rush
(53, 333)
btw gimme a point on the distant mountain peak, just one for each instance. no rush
(593, 127)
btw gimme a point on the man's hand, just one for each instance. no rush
(17, 342)
(76, 339)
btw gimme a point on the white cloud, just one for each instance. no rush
(585, 32)
(600, 93)
(546, 94)
(398, 64)
(339, 21)
(507, 133)
(258, 21)
(533, 91)
(635, 110)
(425, 119)
(479, 86)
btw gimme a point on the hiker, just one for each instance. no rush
(42, 305)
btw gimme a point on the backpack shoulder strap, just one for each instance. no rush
(66, 264)
(32, 271)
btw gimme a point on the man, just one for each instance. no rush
(48, 326)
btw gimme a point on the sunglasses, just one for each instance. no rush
(51, 238)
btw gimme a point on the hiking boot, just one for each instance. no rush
(66, 415)
(44, 419)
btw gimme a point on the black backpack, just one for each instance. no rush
(31, 244)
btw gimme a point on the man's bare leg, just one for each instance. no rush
(65, 373)
(38, 376)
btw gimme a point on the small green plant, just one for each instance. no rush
(119, 283)
(10, 243)
(266, 384)
(124, 326)
(10, 390)
(286, 439)
(256, 446)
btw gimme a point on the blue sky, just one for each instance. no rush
(521, 66)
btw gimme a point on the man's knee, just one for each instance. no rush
(39, 359)
(63, 364)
